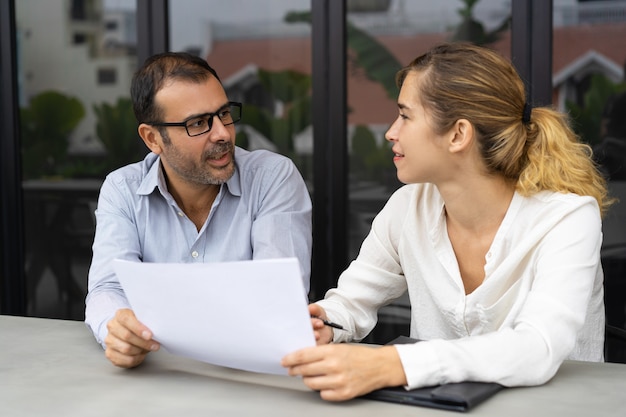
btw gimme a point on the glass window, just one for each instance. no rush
(589, 82)
(74, 117)
(107, 76)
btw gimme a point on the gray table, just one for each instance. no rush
(55, 368)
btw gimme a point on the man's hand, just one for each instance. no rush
(128, 341)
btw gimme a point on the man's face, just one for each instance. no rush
(207, 159)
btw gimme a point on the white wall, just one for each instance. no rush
(48, 60)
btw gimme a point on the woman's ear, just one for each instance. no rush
(461, 136)
(150, 135)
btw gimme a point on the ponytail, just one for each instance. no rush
(532, 147)
(557, 161)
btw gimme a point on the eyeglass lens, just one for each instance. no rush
(199, 125)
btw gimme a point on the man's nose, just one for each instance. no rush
(218, 131)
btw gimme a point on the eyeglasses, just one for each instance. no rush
(198, 125)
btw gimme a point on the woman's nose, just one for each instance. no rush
(390, 134)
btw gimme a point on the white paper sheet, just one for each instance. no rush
(245, 315)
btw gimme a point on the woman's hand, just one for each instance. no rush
(342, 371)
(323, 334)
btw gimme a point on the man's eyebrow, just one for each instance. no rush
(222, 107)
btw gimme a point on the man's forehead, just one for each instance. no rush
(205, 96)
(174, 84)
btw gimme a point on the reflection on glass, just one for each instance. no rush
(75, 62)
(589, 82)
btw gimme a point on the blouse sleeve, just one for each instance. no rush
(374, 278)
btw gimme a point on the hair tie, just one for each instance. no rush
(526, 115)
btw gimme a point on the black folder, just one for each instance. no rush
(460, 396)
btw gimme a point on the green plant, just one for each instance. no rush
(116, 127)
(46, 124)
(367, 157)
(378, 64)
(587, 118)
(291, 88)
(472, 30)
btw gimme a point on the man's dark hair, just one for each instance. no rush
(149, 79)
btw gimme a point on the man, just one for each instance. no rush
(194, 198)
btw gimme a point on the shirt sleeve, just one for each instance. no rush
(282, 225)
(530, 351)
(115, 238)
(374, 278)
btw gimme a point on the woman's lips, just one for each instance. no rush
(397, 155)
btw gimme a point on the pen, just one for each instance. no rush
(329, 323)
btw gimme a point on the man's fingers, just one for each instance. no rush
(122, 353)
(125, 327)
(124, 346)
(125, 361)
(130, 339)
(127, 319)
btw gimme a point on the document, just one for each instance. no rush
(244, 315)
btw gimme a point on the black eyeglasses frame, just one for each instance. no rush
(210, 117)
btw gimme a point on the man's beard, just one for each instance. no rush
(218, 150)
(191, 172)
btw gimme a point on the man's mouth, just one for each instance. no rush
(219, 153)
(218, 156)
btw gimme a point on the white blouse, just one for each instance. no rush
(541, 301)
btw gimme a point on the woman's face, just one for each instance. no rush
(418, 151)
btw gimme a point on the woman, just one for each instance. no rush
(496, 238)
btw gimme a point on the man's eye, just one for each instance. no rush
(199, 122)
(224, 113)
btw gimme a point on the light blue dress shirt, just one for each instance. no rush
(263, 211)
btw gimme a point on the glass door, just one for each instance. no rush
(590, 83)
(75, 62)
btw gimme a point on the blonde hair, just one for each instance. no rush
(539, 152)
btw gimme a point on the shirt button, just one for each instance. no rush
(194, 254)
(488, 255)
(180, 213)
